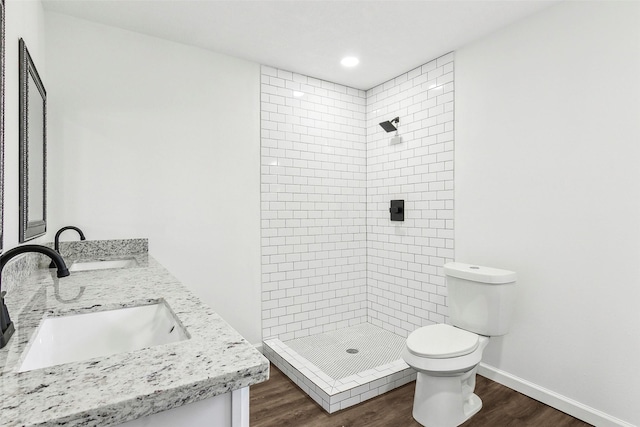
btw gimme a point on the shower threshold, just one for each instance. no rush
(342, 368)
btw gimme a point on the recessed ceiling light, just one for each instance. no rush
(350, 61)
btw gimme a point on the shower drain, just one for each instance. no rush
(352, 350)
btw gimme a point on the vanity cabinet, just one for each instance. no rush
(136, 386)
(225, 410)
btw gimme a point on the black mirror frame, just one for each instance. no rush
(2, 95)
(30, 229)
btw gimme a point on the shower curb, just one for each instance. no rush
(334, 395)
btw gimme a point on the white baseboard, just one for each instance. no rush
(551, 398)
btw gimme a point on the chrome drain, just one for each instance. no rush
(352, 350)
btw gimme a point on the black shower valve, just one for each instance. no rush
(397, 210)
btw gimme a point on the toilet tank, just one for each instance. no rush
(481, 299)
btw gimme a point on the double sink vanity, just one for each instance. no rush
(118, 342)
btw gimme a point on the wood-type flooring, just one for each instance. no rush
(278, 402)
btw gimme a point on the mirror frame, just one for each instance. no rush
(30, 229)
(2, 95)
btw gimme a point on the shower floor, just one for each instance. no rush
(333, 352)
(336, 378)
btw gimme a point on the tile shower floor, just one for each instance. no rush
(348, 351)
(342, 368)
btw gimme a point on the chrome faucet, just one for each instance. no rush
(57, 239)
(5, 321)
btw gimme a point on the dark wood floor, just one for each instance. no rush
(280, 403)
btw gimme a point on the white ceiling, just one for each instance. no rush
(310, 37)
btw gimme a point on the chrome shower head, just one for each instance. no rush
(388, 125)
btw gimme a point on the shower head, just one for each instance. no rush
(388, 125)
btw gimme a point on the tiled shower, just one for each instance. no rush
(336, 272)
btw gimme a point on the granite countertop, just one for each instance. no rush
(114, 389)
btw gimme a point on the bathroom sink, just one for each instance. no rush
(79, 337)
(103, 265)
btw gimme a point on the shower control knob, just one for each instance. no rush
(396, 210)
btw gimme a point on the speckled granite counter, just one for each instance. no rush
(115, 389)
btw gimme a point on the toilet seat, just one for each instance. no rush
(441, 341)
(448, 355)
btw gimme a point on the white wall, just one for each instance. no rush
(150, 138)
(23, 19)
(548, 185)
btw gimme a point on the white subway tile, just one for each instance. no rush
(312, 193)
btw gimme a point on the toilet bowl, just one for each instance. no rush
(446, 357)
(446, 360)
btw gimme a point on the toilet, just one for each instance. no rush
(446, 357)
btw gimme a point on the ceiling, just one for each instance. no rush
(310, 37)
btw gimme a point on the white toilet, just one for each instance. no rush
(446, 357)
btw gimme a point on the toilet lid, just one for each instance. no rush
(441, 341)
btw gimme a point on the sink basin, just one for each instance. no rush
(103, 265)
(79, 337)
